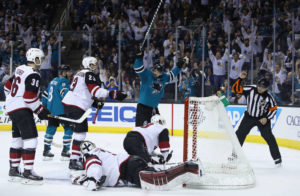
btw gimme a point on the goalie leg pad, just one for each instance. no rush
(172, 177)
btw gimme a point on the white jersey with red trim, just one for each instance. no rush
(23, 91)
(105, 163)
(155, 135)
(84, 86)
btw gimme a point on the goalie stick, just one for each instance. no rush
(80, 120)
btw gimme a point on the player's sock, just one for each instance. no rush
(28, 158)
(15, 157)
(49, 137)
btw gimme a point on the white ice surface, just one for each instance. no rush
(284, 181)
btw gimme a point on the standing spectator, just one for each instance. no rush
(218, 63)
(236, 67)
(127, 88)
(46, 68)
(209, 82)
(246, 50)
(168, 44)
(280, 77)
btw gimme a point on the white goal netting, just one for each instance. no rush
(209, 136)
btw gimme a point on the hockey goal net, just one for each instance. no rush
(209, 137)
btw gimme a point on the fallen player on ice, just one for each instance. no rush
(103, 168)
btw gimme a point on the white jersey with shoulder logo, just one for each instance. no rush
(107, 164)
(151, 133)
(84, 86)
(24, 90)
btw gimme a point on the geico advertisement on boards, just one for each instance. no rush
(285, 124)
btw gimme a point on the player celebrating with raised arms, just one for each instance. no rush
(142, 141)
(103, 168)
(84, 86)
(152, 88)
(51, 99)
(21, 102)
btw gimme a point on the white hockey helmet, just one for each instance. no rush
(158, 119)
(87, 61)
(34, 53)
(86, 146)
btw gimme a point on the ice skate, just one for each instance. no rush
(65, 155)
(14, 174)
(278, 162)
(30, 177)
(48, 156)
(75, 165)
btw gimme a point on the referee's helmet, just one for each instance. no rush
(263, 82)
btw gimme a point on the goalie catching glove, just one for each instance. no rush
(118, 95)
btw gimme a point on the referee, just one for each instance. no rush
(261, 108)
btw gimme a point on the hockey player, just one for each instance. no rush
(152, 88)
(83, 88)
(21, 102)
(51, 99)
(142, 141)
(106, 169)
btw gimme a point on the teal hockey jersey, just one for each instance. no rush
(152, 89)
(54, 94)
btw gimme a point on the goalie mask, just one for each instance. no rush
(158, 119)
(87, 146)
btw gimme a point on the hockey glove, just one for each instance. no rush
(139, 54)
(92, 184)
(98, 104)
(42, 112)
(180, 63)
(118, 95)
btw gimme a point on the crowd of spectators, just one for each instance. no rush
(248, 23)
(238, 34)
(25, 24)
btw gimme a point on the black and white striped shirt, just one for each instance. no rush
(258, 105)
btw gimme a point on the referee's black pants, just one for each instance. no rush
(248, 123)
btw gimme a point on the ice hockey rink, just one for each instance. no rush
(270, 180)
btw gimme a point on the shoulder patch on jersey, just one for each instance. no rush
(19, 71)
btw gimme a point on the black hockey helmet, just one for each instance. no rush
(158, 66)
(263, 82)
(64, 68)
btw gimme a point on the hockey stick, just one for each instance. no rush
(148, 30)
(80, 120)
